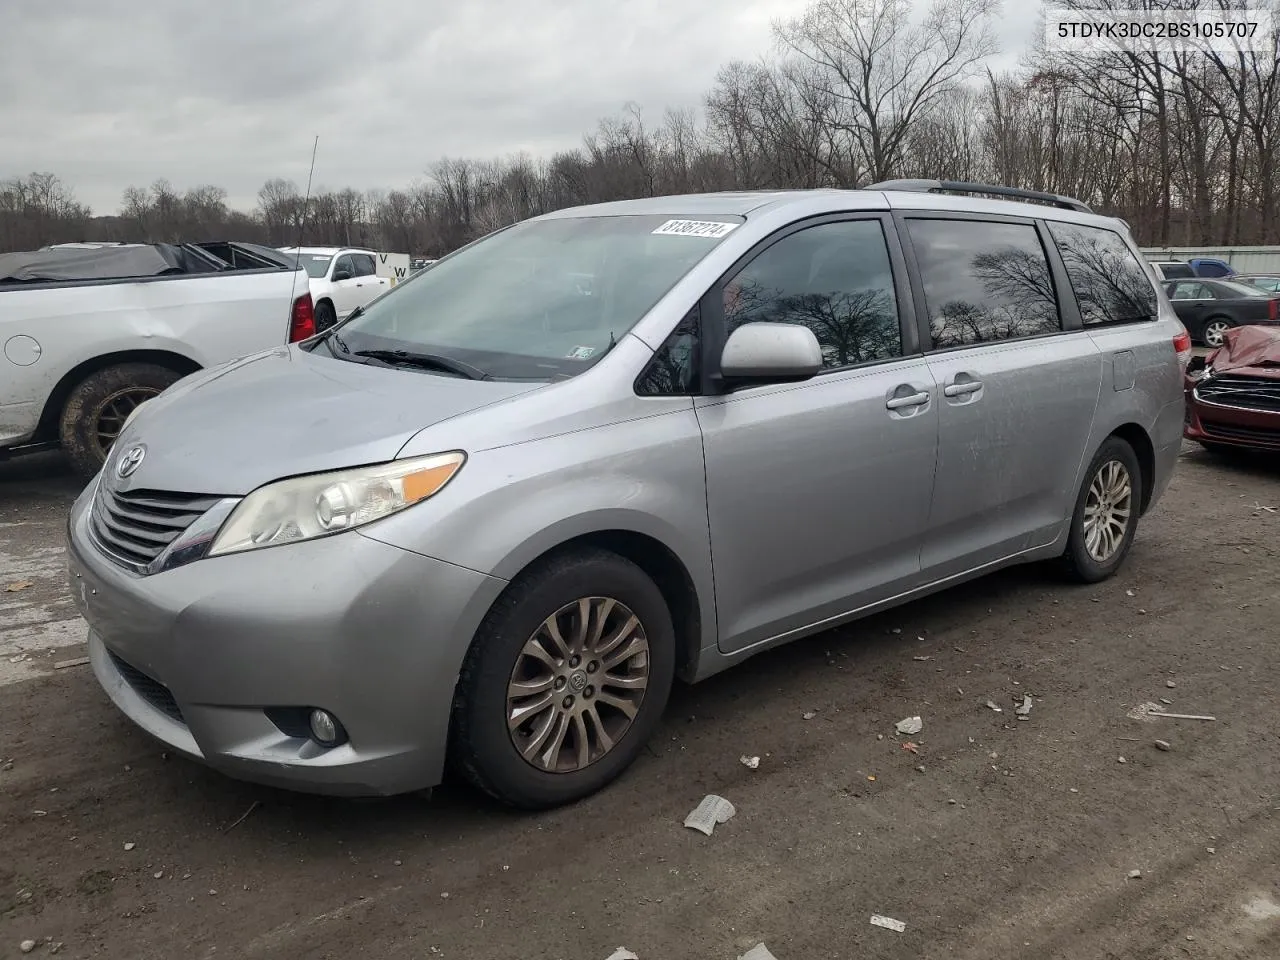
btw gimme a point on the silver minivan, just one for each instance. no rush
(493, 516)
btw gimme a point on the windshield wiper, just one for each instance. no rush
(427, 361)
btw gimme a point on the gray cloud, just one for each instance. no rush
(109, 93)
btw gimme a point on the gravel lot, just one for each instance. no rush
(112, 850)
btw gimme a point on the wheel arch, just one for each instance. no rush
(1139, 441)
(662, 564)
(170, 359)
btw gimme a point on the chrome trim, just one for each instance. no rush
(191, 545)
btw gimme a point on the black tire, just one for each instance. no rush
(481, 746)
(98, 404)
(326, 316)
(1079, 564)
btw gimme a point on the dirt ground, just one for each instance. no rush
(1000, 838)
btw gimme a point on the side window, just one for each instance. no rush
(1189, 290)
(835, 279)
(1109, 282)
(365, 266)
(983, 282)
(344, 263)
(675, 366)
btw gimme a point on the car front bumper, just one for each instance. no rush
(197, 656)
(1231, 426)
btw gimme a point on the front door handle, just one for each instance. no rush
(911, 400)
(962, 389)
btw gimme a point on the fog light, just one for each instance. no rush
(325, 729)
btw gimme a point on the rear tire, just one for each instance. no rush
(1100, 536)
(96, 408)
(510, 762)
(1214, 331)
(326, 316)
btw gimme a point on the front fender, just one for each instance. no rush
(510, 505)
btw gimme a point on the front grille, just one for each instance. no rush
(152, 691)
(1249, 393)
(137, 526)
(1248, 434)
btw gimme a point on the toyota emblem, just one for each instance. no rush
(130, 462)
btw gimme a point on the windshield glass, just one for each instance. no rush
(540, 300)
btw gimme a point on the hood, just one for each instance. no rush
(1250, 346)
(228, 430)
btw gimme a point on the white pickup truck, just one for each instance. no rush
(90, 331)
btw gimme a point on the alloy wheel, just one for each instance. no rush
(1215, 334)
(114, 411)
(1107, 509)
(577, 684)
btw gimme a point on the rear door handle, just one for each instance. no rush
(911, 400)
(962, 389)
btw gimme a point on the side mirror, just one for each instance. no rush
(771, 351)
(341, 275)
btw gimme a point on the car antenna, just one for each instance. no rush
(297, 247)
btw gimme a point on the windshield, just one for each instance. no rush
(540, 300)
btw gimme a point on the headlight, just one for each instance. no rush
(304, 508)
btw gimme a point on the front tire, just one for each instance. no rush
(1105, 518)
(96, 408)
(565, 681)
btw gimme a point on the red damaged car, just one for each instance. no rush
(1235, 402)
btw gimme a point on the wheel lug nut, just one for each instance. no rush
(589, 692)
(568, 703)
(593, 666)
(559, 683)
(574, 661)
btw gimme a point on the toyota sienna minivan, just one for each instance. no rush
(493, 516)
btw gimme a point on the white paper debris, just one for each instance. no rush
(809, 714)
(708, 813)
(758, 952)
(991, 704)
(888, 923)
(751, 763)
(1024, 708)
(622, 953)
(910, 726)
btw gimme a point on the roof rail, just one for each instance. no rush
(955, 186)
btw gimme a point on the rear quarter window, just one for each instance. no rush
(1108, 280)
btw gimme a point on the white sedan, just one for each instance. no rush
(341, 278)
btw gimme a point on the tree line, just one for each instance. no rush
(1180, 145)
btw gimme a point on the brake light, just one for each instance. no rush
(1271, 308)
(302, 321)
(1182, 347)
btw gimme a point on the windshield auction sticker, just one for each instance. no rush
(695, 228)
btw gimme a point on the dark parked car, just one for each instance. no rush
(1269, 282)
(1209, 308)
(1236, 402)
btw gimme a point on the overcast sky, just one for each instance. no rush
(109, 93)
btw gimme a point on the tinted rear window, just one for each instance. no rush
(983, 281)
(1108, 280)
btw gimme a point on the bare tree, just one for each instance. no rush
(882, 72)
